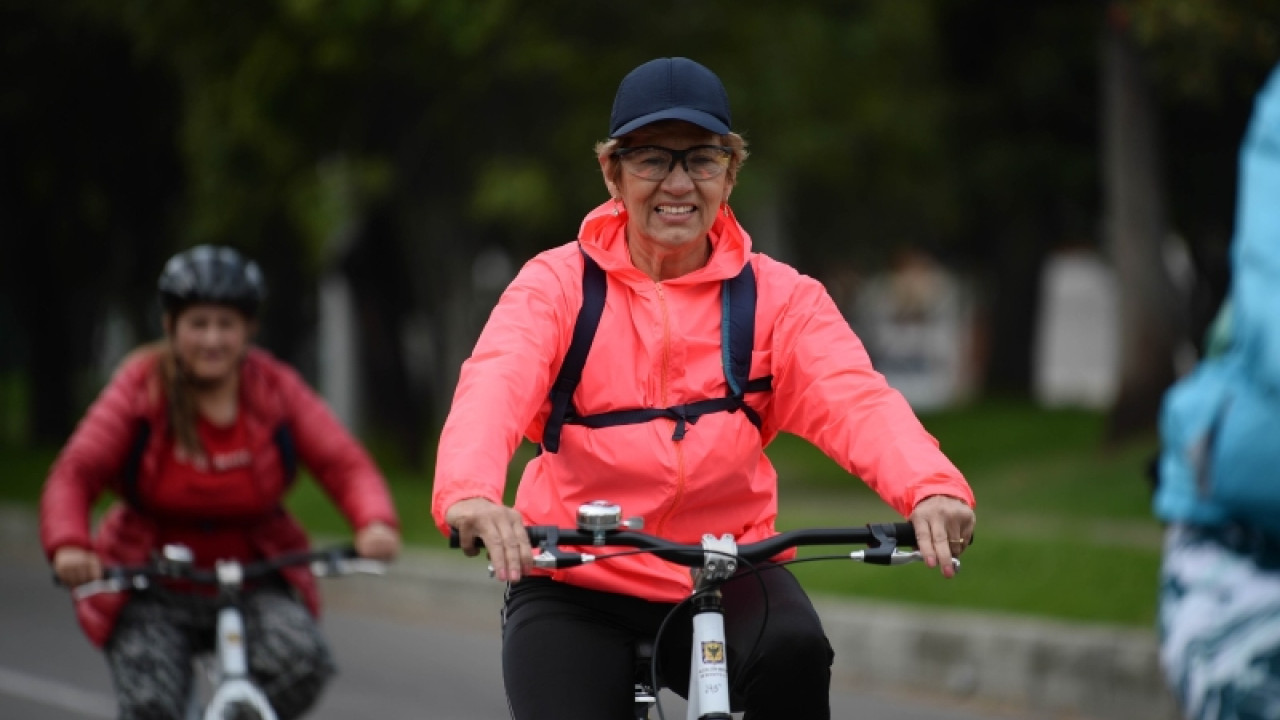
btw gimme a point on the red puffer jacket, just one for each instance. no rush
(95, 456)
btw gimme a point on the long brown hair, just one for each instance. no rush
(179, 398)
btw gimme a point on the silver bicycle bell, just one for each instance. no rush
(601, 516)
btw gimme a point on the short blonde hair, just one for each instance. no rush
(613, 168)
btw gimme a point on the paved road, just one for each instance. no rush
(396, 660)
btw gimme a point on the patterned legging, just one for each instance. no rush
(1220, 622)
(158, 633)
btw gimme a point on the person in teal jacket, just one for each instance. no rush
(1219, 470)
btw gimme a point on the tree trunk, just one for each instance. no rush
(393, 404)
(1151, 322)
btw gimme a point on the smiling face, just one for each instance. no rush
(209, 341)
(674, 214)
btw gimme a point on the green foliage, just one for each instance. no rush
(1206, 50)
(13, 407)
(24, 471)
(851, 96)
(330, 202)
(514, 191)
(395, 140)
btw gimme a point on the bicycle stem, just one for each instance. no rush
(709, 662)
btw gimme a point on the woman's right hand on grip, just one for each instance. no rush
(502, 531)
(76, 566)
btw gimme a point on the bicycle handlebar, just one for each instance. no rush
(883, 539)
(326, 562)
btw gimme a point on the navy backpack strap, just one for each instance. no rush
(684, 415)
(133, 465)
(738, 338)
(738, 328)
(288, 452)
(584, 332)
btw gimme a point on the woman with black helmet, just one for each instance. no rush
(197, 434)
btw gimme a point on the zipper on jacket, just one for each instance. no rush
(666, 401)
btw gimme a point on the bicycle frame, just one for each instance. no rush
(232, 683)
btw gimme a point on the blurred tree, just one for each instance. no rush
(1206, 61)
(1197, 64)
(1151, 317)
(89, 175)
(465, 127)
(423, 148)
(1021, 151)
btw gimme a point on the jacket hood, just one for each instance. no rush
(603, 236)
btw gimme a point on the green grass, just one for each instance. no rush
(1064, 527)
(22, 472)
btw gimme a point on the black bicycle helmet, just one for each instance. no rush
(212, 274)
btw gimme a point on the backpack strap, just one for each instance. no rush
(594, 287)
(133, 465)
(288, 450)
(738, 328)
(738, 339)
(684, 415)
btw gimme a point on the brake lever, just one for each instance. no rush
(111, 584)
(897, 557)
(348, 566)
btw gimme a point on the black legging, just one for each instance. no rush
(568, 652)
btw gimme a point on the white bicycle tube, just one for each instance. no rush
(235, 685)
(241, 691)
(232, 658)
(708, 668)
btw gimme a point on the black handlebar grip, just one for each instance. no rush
(905, 534)
(455, 540)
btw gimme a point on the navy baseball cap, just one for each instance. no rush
(670, 89)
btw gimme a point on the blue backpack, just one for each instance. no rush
(1220, 425)
(737, 337)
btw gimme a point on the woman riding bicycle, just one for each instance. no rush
(661, 424)
(197, 435)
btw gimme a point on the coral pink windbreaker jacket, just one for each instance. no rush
(271, 393)
(658, 344)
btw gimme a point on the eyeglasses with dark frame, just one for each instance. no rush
(654, 162)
